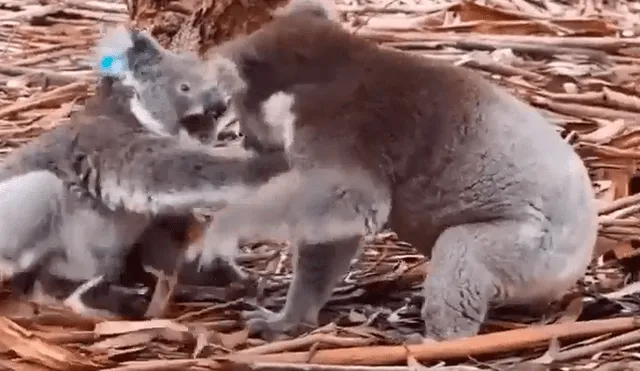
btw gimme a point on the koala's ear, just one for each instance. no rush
(324, 9)
(145, 51)
(189, 55)
(225, 72)
(111, 52)
(121, 52)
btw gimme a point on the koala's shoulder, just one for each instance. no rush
(85, 131)
(41, 153)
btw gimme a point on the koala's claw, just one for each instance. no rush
(267, 324)
(236, 272)
(227, 267)
(415, 339)
(260, 313)
(22, 283)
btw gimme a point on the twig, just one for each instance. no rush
(531, 49)
(67, 92)
(156, 365)
(405, 8)
(213, 308)
(619, 366)
(499, 68)
(608, 44)
(587, 350)
(492, 343)
(55, 78)
(620, 203)
(266, 366)
(32, 13)
(366, 21)
(586, 111)
(13, 33)
(305, 342)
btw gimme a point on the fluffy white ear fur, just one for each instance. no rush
(319, 8)
(111, 52)
(225, 71)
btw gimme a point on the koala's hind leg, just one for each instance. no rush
(323, 213)
(29, 204)
(316, 270)
(97, 297)
(479, 264)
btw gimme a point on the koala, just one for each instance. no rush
(158, 253)
(475, 179)
(75, 201)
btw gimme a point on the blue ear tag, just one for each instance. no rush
(111, 65)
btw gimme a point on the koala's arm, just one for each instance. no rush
(165, 177)
(313, 206)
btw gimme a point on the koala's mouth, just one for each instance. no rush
(199, 126)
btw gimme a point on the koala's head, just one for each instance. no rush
(267, 126)
(172, 92)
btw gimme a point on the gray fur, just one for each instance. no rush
(476, 179)
(91, 187)
(312, 205)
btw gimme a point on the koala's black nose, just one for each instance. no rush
(215, 104)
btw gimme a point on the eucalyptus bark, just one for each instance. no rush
(197, 25)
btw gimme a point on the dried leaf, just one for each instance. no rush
(234, 339)
(121, 327)
(572, 311)
(550, 355)
(126, 340)
(414, 365)
(33, 349)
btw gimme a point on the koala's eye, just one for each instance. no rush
(184, 88)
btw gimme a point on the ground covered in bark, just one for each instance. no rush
(578, 61)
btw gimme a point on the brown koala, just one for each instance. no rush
(472, 177)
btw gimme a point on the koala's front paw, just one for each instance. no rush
(133, 307)
(231, 270)
(415, 339)
(22, 283)
(269, 325)
(216, 251)
(445, 322)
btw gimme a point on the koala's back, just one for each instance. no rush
(452, 147)
(102, 128)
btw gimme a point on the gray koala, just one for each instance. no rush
(75, 200)
(472, 177)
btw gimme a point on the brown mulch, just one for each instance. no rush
(576, 60)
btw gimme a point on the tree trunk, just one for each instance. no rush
(197, 25)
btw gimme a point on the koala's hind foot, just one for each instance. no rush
(29, 204)
(477, 265)
(316, 270)
(24, 282)
(94, 297)
(97, 297)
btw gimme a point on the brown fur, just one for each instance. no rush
(474, 178)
